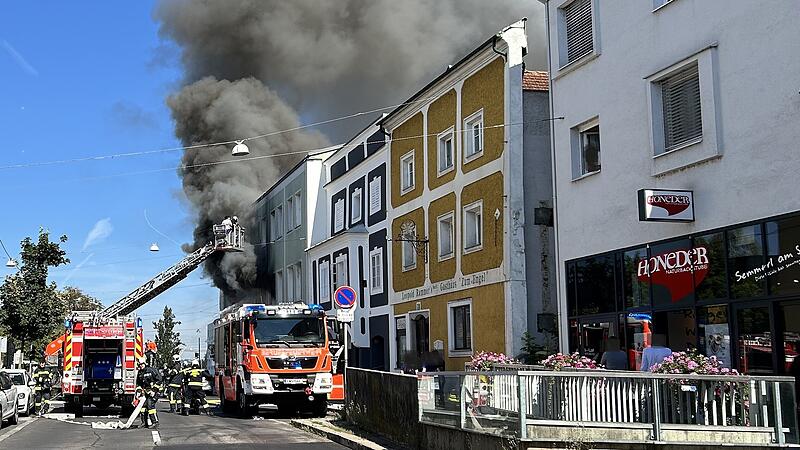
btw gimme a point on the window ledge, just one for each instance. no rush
(474, 249)
(376, 292)
(669, 2)
(686, 144)
(580, 62)
(459, 353)
(409, 268)
(404, 191)
(442, 258)
(472, 157)
(586, 175)
(440, 173)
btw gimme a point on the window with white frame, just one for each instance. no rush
(290, 214)
(445, 235)
(290, 294)
(680, 107)
(298, 281)
(473, 135)
(460, 326)
(577, 31)
(473, 226)
(407, 172)
(276, 223)
(589, 146)
(446, 151)
(272, 231)
(376, 271)
(298, 210)
(375, 187)
(409, 253)
(324, 281)
(659, 3)
(340, 272)
(279, 286)
(355, 205)
(338, 215)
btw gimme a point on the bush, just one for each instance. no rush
(487, 360)
(560, 361)
(692, 362)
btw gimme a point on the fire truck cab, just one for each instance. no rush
(276, 354)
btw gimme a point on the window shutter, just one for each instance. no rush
(375, 195)
(680, 101)
(578, 18)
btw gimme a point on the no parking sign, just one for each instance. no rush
(345, 299)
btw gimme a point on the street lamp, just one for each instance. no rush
(240, 149)
(154, 247)
(11, 263)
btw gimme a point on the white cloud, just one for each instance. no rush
(101, 230)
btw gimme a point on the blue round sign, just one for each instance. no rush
(345, 297)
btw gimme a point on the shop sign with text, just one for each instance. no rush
(679, 271)
(658, 205)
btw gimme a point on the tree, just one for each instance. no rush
(75, 299)
(167, 339)
(32, 313)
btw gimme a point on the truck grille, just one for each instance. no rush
(303, 362)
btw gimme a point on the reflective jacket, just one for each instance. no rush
(194, 378)
(42, 379)
(148, 378)
(177, 380)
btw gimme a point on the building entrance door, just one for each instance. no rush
(755, 339)
(595, 334)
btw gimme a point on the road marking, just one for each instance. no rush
(156, 437)
(24, 422)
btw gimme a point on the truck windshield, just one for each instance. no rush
(289, 330)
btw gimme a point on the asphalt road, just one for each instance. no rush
(60, 431)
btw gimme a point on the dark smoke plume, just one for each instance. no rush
(311, 58)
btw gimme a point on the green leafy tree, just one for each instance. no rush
(167, 339)
(75, 299)
(32, 313)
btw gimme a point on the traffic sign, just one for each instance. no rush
(345, 297)
(345, 315)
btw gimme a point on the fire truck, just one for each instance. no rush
(100, 348)
(277, 354)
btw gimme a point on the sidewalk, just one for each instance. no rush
(345, 434)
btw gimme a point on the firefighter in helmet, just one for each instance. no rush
(148, 379)
(193, 381)
(41, 391)
(175, 384)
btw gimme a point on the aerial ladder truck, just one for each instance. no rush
(100, 348)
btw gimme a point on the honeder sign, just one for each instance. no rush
(659, 205)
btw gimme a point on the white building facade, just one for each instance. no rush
(698, 98)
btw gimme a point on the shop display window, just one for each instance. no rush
(671, 272)
(783, 256)
(572, 305)
(680, 328)
(714, 333)
(595, 285)
(709, 267)
(638, 336)
(636, 284)
(746, 265)
(791, 339)
(755, 340)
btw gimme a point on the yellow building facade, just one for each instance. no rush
(455, 174)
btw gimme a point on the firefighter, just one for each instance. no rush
(149, 380)
(193, 380)
(175, 385)
(41, 391)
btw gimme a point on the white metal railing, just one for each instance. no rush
(491, 400)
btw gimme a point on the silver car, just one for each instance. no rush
(9, 401)
(24, 384)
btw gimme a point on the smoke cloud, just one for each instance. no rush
(255, 66)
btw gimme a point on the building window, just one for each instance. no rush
(445, 235)
(473, 136)
(279, 286)
(376, 271)
(659, 3)
(294, 282)
(290, 293)
(473, 226)
(576, 21)
(408, 252)
(324, 281)
(400, 340)
(338, 215)
(340, 272)
(290, 214)
(446, 151)
(276, 223)
(375, 195)
(680, 107)
(298, 210)
(590, 150)
(355, 206)
(460, 325)
(407, 172)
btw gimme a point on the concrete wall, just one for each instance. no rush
(740, 171)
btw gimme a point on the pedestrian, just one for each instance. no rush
(149, 380)
(614, 358)
(41, 391)
(193, 380)
(656, 353)
(175, 381)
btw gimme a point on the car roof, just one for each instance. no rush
(13, 370)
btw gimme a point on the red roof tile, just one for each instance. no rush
(534, 80)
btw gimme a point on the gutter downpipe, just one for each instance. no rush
(563, 331)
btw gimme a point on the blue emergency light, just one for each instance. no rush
(255, 309)
(139, 322)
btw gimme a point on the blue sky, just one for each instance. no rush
(90, 78)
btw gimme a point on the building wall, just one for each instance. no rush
(739, 170)
(480, 92)
(405, 138)
(441, 116)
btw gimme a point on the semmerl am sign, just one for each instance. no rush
(659, 205)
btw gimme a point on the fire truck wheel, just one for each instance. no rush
(78, 407)
(320, 408)
(286, 410)
(242, 403)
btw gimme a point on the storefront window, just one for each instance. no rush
(572, 305)
(746, 265)
(709, 267)
(783, 250)
(755, 340)
(636, 283)
(791, 339)
(670, 268)
(715, 333)
(638, 337)
(595, 285)
(680, 328)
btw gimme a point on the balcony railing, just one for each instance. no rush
(657, 407)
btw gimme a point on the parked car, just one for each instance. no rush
(9, 399)
(22, 380)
